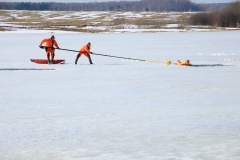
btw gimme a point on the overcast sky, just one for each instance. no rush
(196, 1)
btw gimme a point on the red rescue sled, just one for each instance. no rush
(45, 61)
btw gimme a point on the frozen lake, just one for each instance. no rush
(121, 109)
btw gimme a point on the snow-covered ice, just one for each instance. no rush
(121, 109)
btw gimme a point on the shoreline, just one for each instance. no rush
(133, 31)
(101, 22)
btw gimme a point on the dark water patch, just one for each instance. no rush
(25, 69)
(210, 65)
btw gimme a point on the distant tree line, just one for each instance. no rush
(142, 5)
(212, 7)
(227, 17)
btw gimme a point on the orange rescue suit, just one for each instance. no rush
(50, 43)
(85, 50)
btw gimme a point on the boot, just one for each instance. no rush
(77, 58)
(48, 58)
(53, 58)
(90, 60)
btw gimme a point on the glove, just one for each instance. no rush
(41, 47)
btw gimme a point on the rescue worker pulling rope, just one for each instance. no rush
(49, 47)
(85, 50)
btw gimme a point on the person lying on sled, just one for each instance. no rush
(49, 47)
(85, 50)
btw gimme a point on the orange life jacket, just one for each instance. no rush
(49, 43)
(85, 49)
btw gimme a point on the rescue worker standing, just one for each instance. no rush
(49, 47)
(85, 50)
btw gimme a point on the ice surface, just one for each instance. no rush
(121, 109)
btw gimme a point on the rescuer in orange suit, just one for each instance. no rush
(49, 47)
(85, 50)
